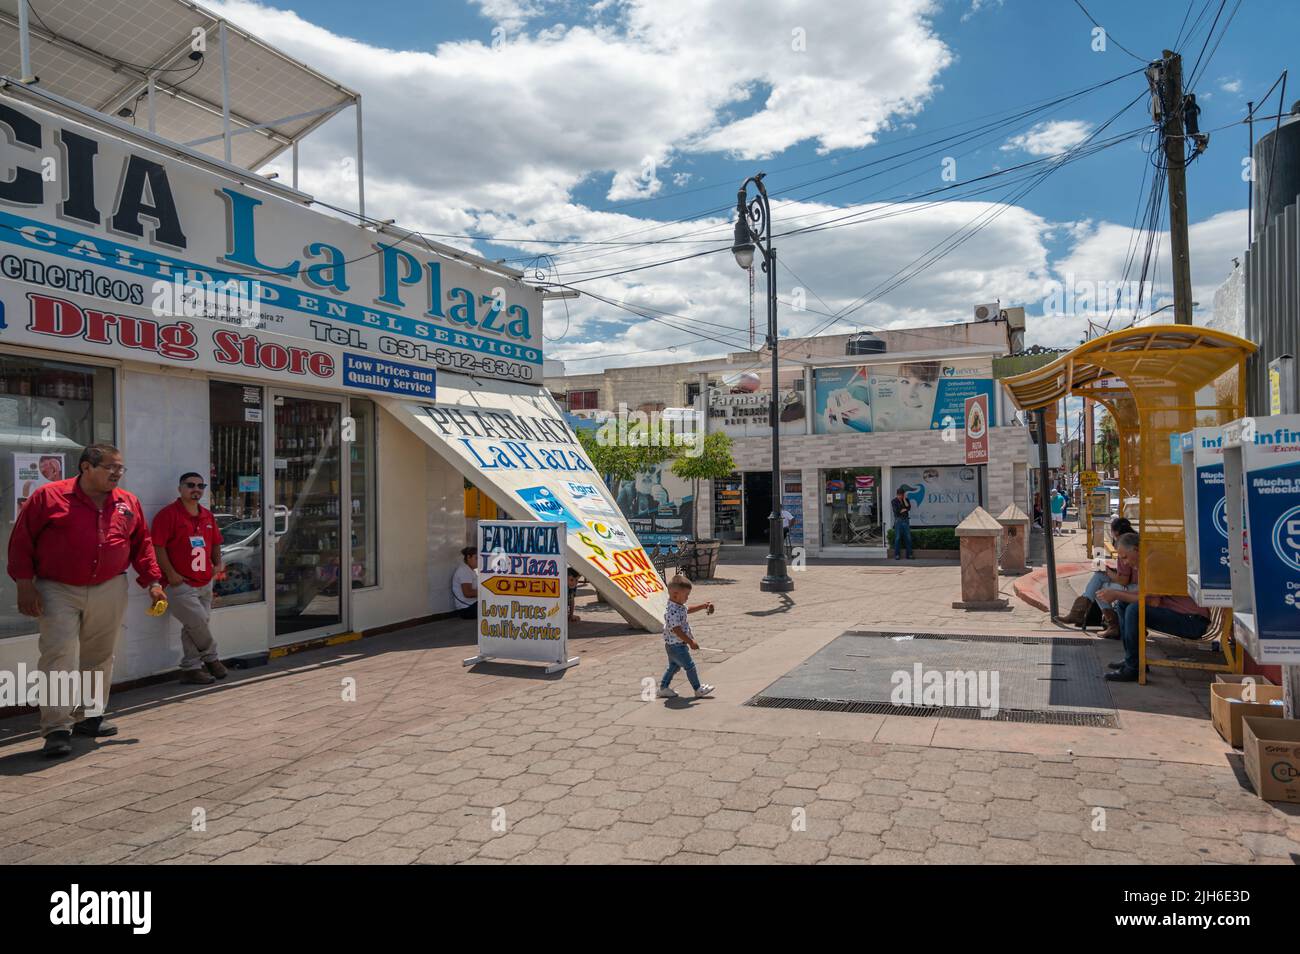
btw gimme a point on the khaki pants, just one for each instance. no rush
(192, 606)
(79, 630)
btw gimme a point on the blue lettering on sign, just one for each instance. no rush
(1212, 528)
(391, 377)
(1275, 565)
(53, 239)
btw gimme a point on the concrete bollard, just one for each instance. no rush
(1015, 541)
(979, 535)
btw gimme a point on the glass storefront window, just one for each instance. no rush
(235, 490)
(49, 411)
(851, 507)
(364, 523)
(728, 515)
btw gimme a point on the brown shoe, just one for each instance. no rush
(1110, 625)
(1078, 612)
(197, 677)
(217, 669)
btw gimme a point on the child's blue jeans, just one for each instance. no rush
(679, 657)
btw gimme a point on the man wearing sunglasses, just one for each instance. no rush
(68, 553)
(188, 544)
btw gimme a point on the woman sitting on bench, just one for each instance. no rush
(1175, 615)
(1122, 575)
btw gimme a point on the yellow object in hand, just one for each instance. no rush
(158, 608)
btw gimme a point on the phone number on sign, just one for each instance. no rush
(456, 360)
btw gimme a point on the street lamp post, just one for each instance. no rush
(754, 228)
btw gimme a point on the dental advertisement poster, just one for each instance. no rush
(32, 471)
(915, 396)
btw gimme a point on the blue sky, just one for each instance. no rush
(605, 106)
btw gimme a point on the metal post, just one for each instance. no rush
(225, 88)
(777, 580)
(153, 110)
(25, 42)
(361, 166)
(295, 164)
(1046, 503)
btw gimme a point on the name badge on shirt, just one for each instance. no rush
(197, 542)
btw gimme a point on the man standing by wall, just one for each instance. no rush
(68, 553)
(188, 545)
(902, 524)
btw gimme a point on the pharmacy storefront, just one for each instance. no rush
(204, 324)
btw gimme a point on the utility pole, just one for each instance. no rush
(1170, 78)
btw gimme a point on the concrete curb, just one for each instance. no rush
(1033, 587)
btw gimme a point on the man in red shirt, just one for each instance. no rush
(68, 553)
(188, 545)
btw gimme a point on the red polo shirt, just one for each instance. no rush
(60, 535)
(176, 532)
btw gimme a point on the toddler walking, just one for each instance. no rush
(678, 641)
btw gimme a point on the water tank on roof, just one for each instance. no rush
(864, 343)
(1277, 170)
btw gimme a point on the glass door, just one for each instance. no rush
(305, 518)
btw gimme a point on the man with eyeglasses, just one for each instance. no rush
(188, 545)
(68, 553)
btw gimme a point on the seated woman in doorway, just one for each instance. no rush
(464, 584)
(1175, 615)
(1122, 575)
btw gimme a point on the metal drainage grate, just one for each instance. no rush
(982, 638)
(1034, 716)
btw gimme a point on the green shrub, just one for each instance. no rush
(930, 538)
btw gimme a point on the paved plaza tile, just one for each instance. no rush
(434, 763)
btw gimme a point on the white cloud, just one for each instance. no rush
(1049, 138)
(1230, 85)
(466, 138)
(976, 6)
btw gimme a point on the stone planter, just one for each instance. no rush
(704, 564)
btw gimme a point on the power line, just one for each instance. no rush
(1141, 59)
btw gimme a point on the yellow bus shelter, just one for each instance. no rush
(1156, 381)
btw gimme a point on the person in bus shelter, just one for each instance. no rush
(1175, 615)
(68, 553)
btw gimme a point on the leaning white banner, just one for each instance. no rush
(512, 441)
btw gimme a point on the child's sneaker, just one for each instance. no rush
(704, 690)
(668, 693)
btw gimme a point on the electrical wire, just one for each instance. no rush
(1112, 39)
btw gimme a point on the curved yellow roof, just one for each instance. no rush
(1156, 356)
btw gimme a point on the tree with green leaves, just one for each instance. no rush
(714, 462)
(619, 457)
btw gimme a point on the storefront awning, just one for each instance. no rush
(512, 442)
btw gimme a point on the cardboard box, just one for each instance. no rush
(1227, 707)
(1272, 751)
(1236, 679)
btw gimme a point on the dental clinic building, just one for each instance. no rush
(860, 417)
(337, 384)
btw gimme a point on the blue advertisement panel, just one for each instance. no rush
(1273, 505)
(914, 396)
(1212, 527)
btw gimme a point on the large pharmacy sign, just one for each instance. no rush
(513, 443)
(118, 232)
